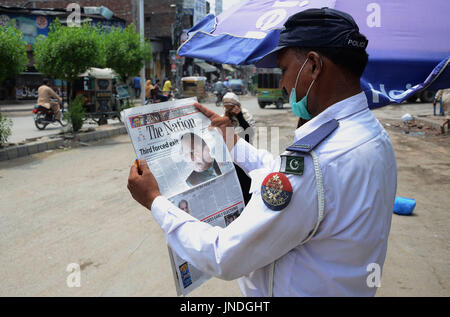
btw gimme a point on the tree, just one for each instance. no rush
(67, 52)
(125, 53)
(13, 52)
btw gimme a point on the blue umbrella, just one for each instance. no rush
(409, 45)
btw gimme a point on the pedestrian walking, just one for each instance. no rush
(243, 123)
(137, 86)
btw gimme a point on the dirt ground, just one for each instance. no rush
(72, 206)
(418, 258)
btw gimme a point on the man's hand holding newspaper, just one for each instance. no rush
(142, 184)
(223, 123)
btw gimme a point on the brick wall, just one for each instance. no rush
(125, 9)
(159, 16)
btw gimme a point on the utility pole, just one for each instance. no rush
(178, 31)
(142, 31)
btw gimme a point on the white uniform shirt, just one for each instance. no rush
(360, 178)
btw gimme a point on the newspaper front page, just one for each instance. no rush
(193, 168)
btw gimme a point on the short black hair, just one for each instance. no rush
(352, 60)
(192, 137)
(45, 81)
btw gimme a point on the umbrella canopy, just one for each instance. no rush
(408, 47)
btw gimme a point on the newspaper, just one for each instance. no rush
(193, 168)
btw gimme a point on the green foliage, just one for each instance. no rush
(5, 128)
(76, 114)
(13, 52)
(68, 51)
(125, 53)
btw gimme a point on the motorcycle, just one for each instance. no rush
(219, 97)
(43, 117)
(170, 97)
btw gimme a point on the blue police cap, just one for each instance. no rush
(315, 28)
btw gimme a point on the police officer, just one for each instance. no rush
(320, 214)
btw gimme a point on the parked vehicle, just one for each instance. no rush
(121, 96)
(238, 87)
(193, 87)
(268, 91)
(426, 96)
(43, 117)
(97, 85)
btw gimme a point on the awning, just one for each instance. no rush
(208, 68)
(99, 73)
(228, 68)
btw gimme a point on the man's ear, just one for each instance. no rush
(316, 64)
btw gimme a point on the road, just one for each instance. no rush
(24, 128)
(72, 206)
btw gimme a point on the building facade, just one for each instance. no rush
(33, 23)
(159, 22)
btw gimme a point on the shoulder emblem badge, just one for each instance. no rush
(276, 191)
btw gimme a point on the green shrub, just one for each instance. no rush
(76, 114)
(5, 128)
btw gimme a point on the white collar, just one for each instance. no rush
(338, 111)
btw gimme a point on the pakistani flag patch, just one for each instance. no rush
(292, 165)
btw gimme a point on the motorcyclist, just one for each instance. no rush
(148, 88)
(220, 90)
(219, 87)
(156, 93)
(44, 95)
(227, 84)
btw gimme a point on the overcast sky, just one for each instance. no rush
(227, 3)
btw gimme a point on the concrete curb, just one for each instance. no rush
(56, 142)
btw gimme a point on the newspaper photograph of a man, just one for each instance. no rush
(199, 155)
(184, 205)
